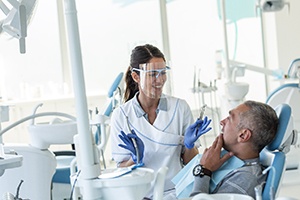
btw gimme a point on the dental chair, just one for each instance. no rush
(273, 157)
(289, 93)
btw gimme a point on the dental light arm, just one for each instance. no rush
(17, 19)
(277, 73)
(4, 8)
(263, 6)
(272, 5)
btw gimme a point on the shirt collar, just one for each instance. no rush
(162, 105)
(250, 162)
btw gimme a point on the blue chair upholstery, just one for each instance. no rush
(112, 101)
(290, 94)
(273, 155)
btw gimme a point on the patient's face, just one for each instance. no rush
(229, 127)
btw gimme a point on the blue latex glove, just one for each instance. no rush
(194, 131)
(128, 144)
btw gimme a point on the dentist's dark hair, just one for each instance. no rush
(139, 55)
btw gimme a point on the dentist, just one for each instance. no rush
(152, 128)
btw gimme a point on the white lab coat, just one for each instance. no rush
(163, 140)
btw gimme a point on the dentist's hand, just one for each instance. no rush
(194, 131)
(129, 145)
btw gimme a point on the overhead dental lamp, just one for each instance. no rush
(18, 15)
(272, 5)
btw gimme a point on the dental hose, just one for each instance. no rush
(134, 144)
(35, 116)
(136, 150)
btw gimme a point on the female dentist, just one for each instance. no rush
(160, 129)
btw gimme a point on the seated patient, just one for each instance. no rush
(246, 131)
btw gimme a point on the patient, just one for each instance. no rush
(246, 131)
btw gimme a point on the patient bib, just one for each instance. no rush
(184, 180)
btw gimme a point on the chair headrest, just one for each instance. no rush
(285, 126)
(115, 85)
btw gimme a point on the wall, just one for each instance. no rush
(282, 30)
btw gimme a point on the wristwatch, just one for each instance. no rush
(200, 170)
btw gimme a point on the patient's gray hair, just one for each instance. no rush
(261, 119)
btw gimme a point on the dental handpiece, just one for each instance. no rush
(134, 144)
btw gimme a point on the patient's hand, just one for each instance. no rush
(211, 158)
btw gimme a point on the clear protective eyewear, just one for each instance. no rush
(153, 72)
(153, 77)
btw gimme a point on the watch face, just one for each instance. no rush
(197, 170)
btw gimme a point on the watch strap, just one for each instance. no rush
(200, 170)
(206, 172)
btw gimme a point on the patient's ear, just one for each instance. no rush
(135, 77)
(245, 135)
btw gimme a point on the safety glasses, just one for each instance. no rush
(152, 72)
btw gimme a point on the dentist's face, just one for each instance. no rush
(152, 80)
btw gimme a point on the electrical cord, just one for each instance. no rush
(9, 196)
(73, 187)
(18, 189)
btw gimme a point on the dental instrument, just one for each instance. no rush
(115, 173)
(134, 143)
(202, 110)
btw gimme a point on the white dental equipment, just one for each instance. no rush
(7, 161)
(37, 178)
(272, 5)
(18, 17)
(230, 65)
(134, 184)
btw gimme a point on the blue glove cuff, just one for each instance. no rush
(189, 146)
(134, 158)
